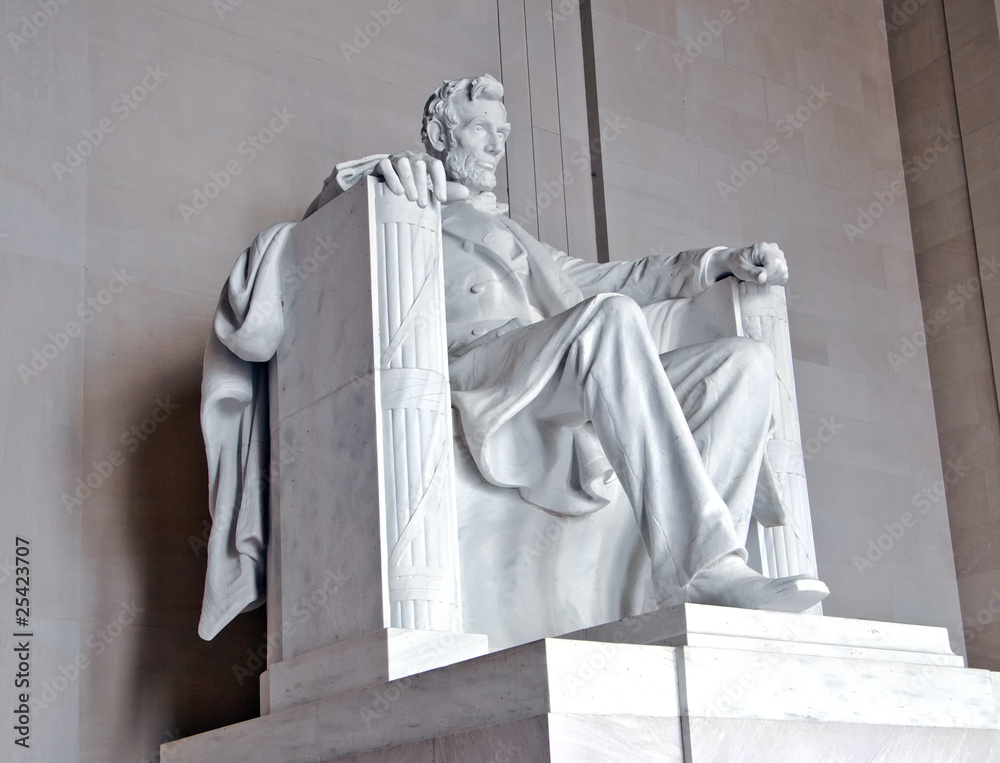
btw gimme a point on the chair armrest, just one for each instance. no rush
(713, 314)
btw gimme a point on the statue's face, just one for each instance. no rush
(476, 145)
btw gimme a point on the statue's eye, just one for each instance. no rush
(479, 129)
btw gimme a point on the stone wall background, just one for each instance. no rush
(180, 85)
(946, 70)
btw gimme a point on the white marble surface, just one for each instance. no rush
(629, 702)
(699, 625)
(288, 736)
(545, 676)
(337, 396)
(368, 660)
(517, 683)
(613, 739)
(326, 405)
(781, 686)
(551, 738)
(715, 740)
(630, 739)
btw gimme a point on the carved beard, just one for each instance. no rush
(462, 169)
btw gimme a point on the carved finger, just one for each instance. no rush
(389, 176)
(749, 261)
(420, 181)
(781, 277)
(776, 265)
(439, 181)
(405, 172)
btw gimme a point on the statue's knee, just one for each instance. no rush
(619, 310)
(753, 358)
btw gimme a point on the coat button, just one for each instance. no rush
(479, 331)
(469, 246)
(478, 288)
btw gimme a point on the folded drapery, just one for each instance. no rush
(234, 420)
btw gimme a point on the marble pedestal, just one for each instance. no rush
(690, 683)
(374, 658)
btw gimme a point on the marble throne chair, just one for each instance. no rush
(380, 496)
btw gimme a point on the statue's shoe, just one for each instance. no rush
(731, 583)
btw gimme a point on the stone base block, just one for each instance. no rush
(546, 738)
(624, 739)
(547, 676)
(714, 740)
(368, 660)
(730, 628)
(723, 685)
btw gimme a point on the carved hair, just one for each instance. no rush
(440, 106)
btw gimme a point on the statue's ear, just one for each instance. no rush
(435, 135)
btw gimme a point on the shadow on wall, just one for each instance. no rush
(180, 683)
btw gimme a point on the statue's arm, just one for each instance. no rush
(661, 277)
(672, 276)
(646, 280)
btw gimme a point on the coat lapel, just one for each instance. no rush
(548, 287)
(551, 289)
(464, 223)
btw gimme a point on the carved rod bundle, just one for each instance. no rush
(421, 529)
(787, 549)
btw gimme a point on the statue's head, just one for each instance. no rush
(465, 126)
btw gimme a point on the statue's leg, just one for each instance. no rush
(725, 389)
(598, 359)
(624, 391)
